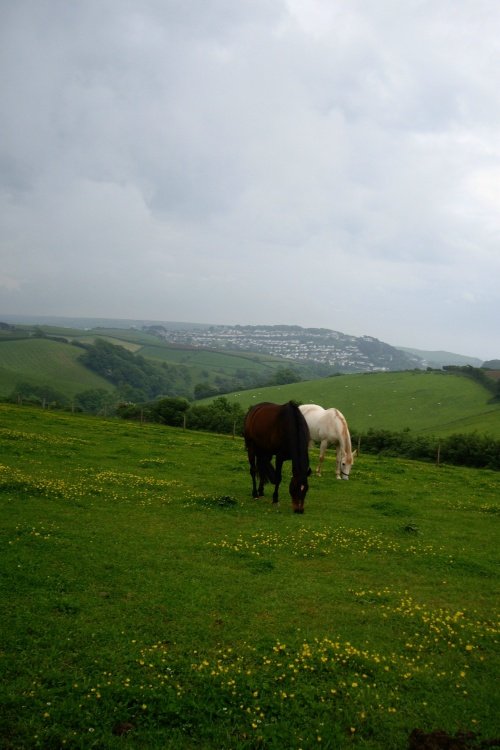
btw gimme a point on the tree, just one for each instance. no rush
(94, 400)
(136, 378)
(45, 395)
(169, 411)
(219, 416)
(284, 375)
(204, 390)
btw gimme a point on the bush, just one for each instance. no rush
(42, 395)
(219, 416)
(169, 411)
(95, 401)
(470, 449)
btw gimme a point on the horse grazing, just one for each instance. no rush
(329, 426)
(281, 431)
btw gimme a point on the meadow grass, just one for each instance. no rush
(430, 403)
(426, 402)
(149, 602)
(42, 361)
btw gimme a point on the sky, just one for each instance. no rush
(322, 163)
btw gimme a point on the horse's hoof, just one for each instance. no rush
(299, 510)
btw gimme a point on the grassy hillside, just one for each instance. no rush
(426, 402)
(203, 365)
(439, 358)
(432, 402)
(44, 362)
(147, 601)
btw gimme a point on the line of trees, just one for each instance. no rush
(139, 379)
(218, 416)
(467, 449)
(134, 377)
(473, 449)
(221, 416)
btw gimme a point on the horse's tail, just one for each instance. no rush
(266, 470)
(300, 453)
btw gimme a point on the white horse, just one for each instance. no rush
(329, 426)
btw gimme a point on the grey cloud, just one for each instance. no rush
(199, 151)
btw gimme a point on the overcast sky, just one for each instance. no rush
(323, 163)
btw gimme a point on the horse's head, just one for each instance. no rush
(298, 490)
(346, 463)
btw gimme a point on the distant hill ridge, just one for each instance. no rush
(437, 359)
(339, 351)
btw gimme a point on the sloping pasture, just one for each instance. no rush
(148, 602)
(44, 362)
(427, 402)
(225, 362)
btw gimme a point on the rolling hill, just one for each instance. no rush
(50, 356)
(426, 402)
(45, 362)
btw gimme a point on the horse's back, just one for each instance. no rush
(334, 418)
(271, 427)
(265, 426)
(311, 410)
(258, 420)
(326, 424)
(314, 416)
(336, 424)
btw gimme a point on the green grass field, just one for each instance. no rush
(148, 602)
(45, 362)
(426, 402)
(436, 403)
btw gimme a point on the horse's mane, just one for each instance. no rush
(299, 448)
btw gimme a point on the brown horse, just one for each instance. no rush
(281, 431)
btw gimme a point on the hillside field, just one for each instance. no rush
(45, 362)
(426, 402)
(148, 602)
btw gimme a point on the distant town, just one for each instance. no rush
(338, 351)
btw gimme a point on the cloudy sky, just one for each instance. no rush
(324, 163)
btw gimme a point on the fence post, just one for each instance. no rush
(438, 457)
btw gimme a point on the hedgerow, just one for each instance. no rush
(461, 449)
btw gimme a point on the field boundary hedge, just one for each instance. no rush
(474, 449)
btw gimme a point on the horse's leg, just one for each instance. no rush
(339, 460)
(322, 451)
(252, 460)
(279, 465)
(261, 486)
(264, 470)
